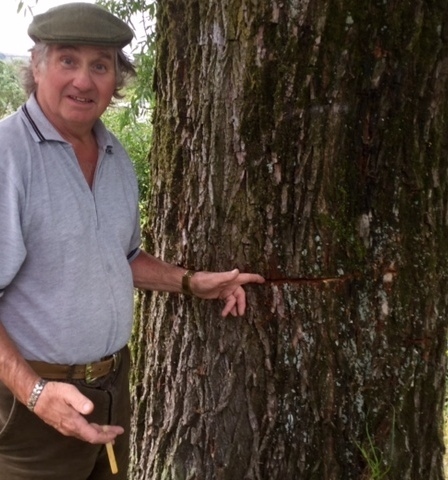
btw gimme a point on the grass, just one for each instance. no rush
(377, 468)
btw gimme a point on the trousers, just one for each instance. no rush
(32, 450)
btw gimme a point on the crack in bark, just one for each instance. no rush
(309, 280)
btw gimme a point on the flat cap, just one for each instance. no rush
(80, 24)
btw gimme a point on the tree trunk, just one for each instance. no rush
(307, 141)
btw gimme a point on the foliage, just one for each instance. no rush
(11, 91)
(131, 123)
(23, 6)
(135, 136)
(140, 15)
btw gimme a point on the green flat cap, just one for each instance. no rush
(80, 24)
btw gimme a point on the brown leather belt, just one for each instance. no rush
(88, 372)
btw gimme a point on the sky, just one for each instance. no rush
(13, 26)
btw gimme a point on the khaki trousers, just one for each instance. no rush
(32, 450)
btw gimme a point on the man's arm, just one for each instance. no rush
(60, 405)
(15, 373)
(150, 273)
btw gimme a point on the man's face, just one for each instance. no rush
(75, 85)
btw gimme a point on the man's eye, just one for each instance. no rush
(66, 61)
(99, 67)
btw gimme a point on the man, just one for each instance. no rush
(70, 257)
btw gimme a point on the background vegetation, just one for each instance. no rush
(134, 132)
(11, 92)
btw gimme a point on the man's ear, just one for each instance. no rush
(34, 66)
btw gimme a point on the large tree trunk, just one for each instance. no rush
(307, 141)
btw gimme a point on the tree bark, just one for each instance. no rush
(307, 141)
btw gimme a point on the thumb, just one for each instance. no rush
(233, 274)
(80, 402)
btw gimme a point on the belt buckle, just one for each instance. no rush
(89, 368)
(116, 360)
(89, 373)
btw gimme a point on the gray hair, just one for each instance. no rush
(124, 69)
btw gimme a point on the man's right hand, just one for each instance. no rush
(63, 406)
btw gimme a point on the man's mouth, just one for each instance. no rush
(81, 99)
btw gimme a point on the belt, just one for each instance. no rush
(88, 372)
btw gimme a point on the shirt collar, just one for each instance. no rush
(42, 130)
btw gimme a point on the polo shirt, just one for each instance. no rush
(66, 289)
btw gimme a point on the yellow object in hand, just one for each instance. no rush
(111, 456)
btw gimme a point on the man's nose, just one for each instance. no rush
(83, 78)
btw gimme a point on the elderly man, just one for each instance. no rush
(70, 257)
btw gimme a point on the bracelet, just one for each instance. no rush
(35, 394)
(186, 289)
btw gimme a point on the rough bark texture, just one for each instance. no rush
(305, 140)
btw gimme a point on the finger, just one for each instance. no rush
(244, 278)
(229, 306)
(230, 276)
(112, 430)
(240, 296)
(101, 434)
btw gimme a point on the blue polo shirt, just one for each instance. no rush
(66, 290)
